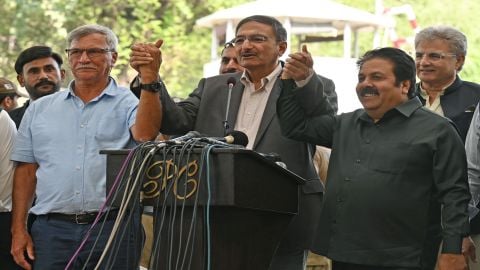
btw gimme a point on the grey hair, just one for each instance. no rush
(457, 40)
(84, 30)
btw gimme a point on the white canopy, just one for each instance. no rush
(298, 17)
(298, 11)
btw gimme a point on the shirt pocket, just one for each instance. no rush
(390, 158)
(112, 126)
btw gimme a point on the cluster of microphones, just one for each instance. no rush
(232, 138)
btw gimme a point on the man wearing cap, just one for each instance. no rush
(39, 70)
(8, 95)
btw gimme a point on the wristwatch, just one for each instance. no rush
(152, 87)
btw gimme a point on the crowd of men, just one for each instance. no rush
(403, 181)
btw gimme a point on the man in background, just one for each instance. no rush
(440, 53)
(229, 60)
(39, 70)
(8, 95)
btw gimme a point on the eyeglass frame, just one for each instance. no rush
(92, 50)
(433, 56)
(251, 39)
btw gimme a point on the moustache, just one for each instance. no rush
(45, 82)
(368, 91)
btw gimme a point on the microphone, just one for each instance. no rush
(234, 137)
(182, 139)
(231, 83)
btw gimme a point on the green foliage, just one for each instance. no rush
(460, 14)
(25, 23)
(186, 48)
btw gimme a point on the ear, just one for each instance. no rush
(405, 86)
(62, 74)
(114, 58)
(282, 47)
(21, 80)
(459, 63)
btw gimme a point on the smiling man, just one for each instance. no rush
(397, 172)
(440, 53)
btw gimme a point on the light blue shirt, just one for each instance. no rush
(64, 136)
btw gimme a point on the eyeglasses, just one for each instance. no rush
(239, 40)
(228, 45)
(91, 53)
(433, 56)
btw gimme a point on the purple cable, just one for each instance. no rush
(100, 212)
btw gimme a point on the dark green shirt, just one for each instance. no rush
(387, 183)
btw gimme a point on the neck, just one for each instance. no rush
(257, 74)
(87, 90)
(436, 87)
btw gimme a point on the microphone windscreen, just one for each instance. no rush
(239, 137)
(231, 80)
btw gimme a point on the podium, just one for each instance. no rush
(233, 219)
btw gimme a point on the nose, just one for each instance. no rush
(245, 42)
(422, 60)
(84, 57)
(42, 74)
(231, 63)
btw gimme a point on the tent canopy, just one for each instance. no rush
(299, 12)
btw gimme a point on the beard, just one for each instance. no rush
(35, 92)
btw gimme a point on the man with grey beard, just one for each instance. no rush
(39, 70)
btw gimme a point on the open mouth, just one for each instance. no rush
(247, 54)
(368, 92)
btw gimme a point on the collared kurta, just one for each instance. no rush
(387, 183)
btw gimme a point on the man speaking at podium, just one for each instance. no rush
(259, 42)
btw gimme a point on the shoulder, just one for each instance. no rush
(470, 86)
(223, 79)
(6, 123)
(432, 121)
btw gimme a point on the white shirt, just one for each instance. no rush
(253, 104)
(8, 131)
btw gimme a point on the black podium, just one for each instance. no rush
(230, 215)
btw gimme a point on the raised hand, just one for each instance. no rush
(298, 65)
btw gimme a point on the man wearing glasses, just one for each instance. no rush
(440, 53)
(57, 151)
(260, 42)
(229, 60)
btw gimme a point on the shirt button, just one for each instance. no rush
(82, 125)
(77, 168)
(357, 161)
(347, 179)
(367, 141)
(79, 147)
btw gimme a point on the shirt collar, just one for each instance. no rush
(424, 94)
(109, 90)
(407, 108)
(270, 77)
